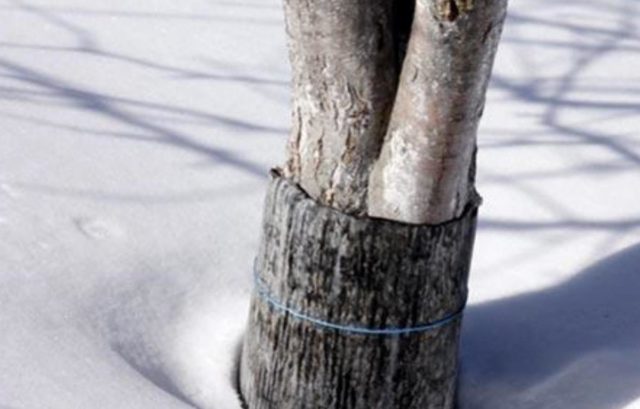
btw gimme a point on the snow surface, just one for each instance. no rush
(134, 141)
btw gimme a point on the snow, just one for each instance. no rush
(135, 139)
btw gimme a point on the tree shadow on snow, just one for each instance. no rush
(156, 376)
(149, 122)
(573, 346)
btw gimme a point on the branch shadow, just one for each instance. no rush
(147, 119)
(571, 105)
(575, 346)
(578, 340)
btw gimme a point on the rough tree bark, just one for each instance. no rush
(426, 169)
(345, 57)
(368, 231)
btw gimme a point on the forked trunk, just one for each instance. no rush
(361, 278)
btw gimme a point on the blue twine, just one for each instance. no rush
(264, 293)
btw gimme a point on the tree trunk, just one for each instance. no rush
(426, 169)
(367, 237)
(346, 57)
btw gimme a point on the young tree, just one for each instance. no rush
(361, 277)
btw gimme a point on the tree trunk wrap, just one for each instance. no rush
(361, 273)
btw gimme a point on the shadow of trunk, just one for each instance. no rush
(573, 346)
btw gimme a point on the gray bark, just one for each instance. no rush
(379, 134)
(425, 171)
(381, 130)
(345, 60)
(360, 272)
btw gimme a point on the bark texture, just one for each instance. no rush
(345, 56)
(379, 129)
(425, 171)
(361, 272)
(372, 224)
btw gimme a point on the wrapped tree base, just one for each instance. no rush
(354, 313)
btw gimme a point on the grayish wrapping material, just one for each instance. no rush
(361, 272)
